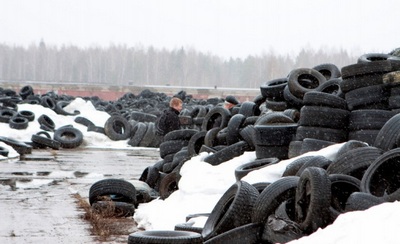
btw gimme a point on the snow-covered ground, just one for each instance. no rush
(202, 184)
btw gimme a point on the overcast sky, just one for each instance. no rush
(225, 28)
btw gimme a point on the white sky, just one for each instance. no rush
(222, 27)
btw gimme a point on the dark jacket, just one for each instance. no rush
(168, 121)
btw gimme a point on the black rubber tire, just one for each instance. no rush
(281, 230)
(359, 201)
(233, 209)
(363, 98)
(270, 199)
(244, 169)
(44, 141)
(328, 70)
(233, 129)
(6, 115)
(138, 131)
(295, 165)
(387, 137)
(274, 134)
(332, 86)
(248, 233)
(4, 151)
(342, 186)
(69, 137)
(310, 144)
(317, 161)
(117, 189)
(273, 118)
(48, 102)
(367, 136)
(114, 209)
(249, 109)
(227, 153)
(313, 198)
(276, 105)
(354, 162)
(168, 185)
(248, 134)
(369, 119)
(188, 227)
(372, 57)
(280, 152)
(83, 121)
(321, 133)
(117, 128)
(171, 147)
(182, 134)
(317, 98)
(198, 112)
(296, 81)
(143, 117)
(273, 89)
(19, 146)
(26, 114)
(381, 66)
(165, 236)
(292, 113)
(350, 145)
(97, 129)
(196, 142)
(25, 91)
(212, 116)
(324, 117)
(18, 123)
(59, 108)
(46, 123)
(352, 83)
(149, 136)
(292, 101)
(294, 148)
(211, 137)
(382, 176)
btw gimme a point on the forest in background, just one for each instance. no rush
(139, 65)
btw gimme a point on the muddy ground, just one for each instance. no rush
(42, 194)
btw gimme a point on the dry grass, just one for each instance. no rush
(104, 223)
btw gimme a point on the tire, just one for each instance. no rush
(248, 134)
(68, 137)
(116, 189)
(59, 109)
(359, 201)
(381, 66)
(188, 227)
(46, 123)
(249, 234)
(369, 119)
(372, 57)
(168, 185)
(196, 142)
(303, 80)
(349, 163)
(317, 161)
(273, 118)
(26, 114)
(114, 209)
(143, 117)
(213, 115)
(324, 117)
(386, 139)
(294, 148)
(211, 137)
(4, 151)
(350, 145)
(342, 186)
(275, 134)
(232, 210)
(292, 101)
(138, 131)
(329, 71)
(367, 136)
(233, 129)
(26, 91)
(244, 169)
(362, 98)
(182, 134)
(352, 83)
(6, 115)
(276, 105)
(18, 123)
(249, 109)
(83, 121)
(165, 236)
(44, 141)
(317, 98)
(48, 102)
(270, 199)
(280, 152)
(97, 129)
(321, 133)
(313, 198)
(148, 136)
(171, 147)
(19, 146)
(273, 89)
(292, 168)
(332, 86)
(381, 179)
(227, 153)
(117, 128)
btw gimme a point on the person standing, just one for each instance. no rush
(169, 120)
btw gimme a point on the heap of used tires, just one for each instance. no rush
(306, 111)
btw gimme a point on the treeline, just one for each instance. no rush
(122, 65)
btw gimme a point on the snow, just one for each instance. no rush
(202, 184)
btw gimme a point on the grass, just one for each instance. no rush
(104, 224)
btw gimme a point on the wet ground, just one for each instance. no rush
(40, 191)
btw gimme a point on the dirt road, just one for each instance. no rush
(39, 192)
